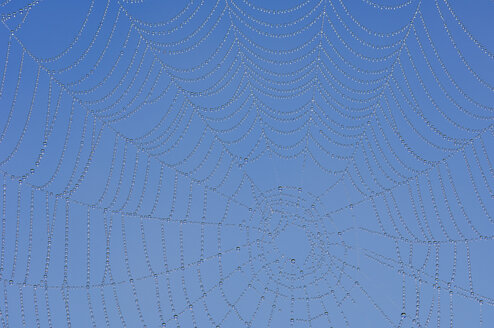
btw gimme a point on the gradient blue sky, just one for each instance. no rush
(247, 163)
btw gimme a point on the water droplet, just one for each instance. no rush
(293, 261)
(403, 315)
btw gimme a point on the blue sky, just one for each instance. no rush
(246, 163)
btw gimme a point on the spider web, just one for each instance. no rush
(240, 163)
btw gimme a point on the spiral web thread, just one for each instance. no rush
(156, 161)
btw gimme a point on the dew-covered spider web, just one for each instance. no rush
(247, 163)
